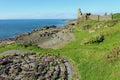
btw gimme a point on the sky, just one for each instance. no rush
(54, 9)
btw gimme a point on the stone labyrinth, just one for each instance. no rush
(33, 67)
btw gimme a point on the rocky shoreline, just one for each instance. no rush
(25, 64)
(46, 37)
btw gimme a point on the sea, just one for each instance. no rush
(10, 28)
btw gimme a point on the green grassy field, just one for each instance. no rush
(89, 51)
(91, 58)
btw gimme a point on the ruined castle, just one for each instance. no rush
(88, 16)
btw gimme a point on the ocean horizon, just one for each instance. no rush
(9, 28)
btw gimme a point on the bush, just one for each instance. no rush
(96, 39)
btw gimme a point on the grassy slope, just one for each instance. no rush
(90, 58)
(116, 16)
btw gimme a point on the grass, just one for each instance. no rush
(116, 16)
(31, 48)
(90, 59)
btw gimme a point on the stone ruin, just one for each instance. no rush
(31, 66)
(82, 17)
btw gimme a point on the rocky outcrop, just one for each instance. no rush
(59, 39)
(47, 37)
(7, 42)
(39, 35)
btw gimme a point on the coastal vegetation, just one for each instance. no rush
(94, 54)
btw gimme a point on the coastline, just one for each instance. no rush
(71, 21)
(10, 28)
(46, 37)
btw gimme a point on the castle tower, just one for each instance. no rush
(79, 13)
(105, 14)
(111, 16)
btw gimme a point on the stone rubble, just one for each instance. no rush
(31, 66)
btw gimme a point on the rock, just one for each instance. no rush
(31, 66)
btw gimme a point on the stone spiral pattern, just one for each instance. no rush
(33, 67)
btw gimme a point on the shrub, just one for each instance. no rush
(95, 39)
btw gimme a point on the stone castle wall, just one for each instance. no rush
(94, 17)
(88, 16)
(107, 17)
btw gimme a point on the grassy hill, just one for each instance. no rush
(90, 53)
(95, 53)
(116, 16)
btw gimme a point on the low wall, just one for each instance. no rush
(105, 18)
(94, 17)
